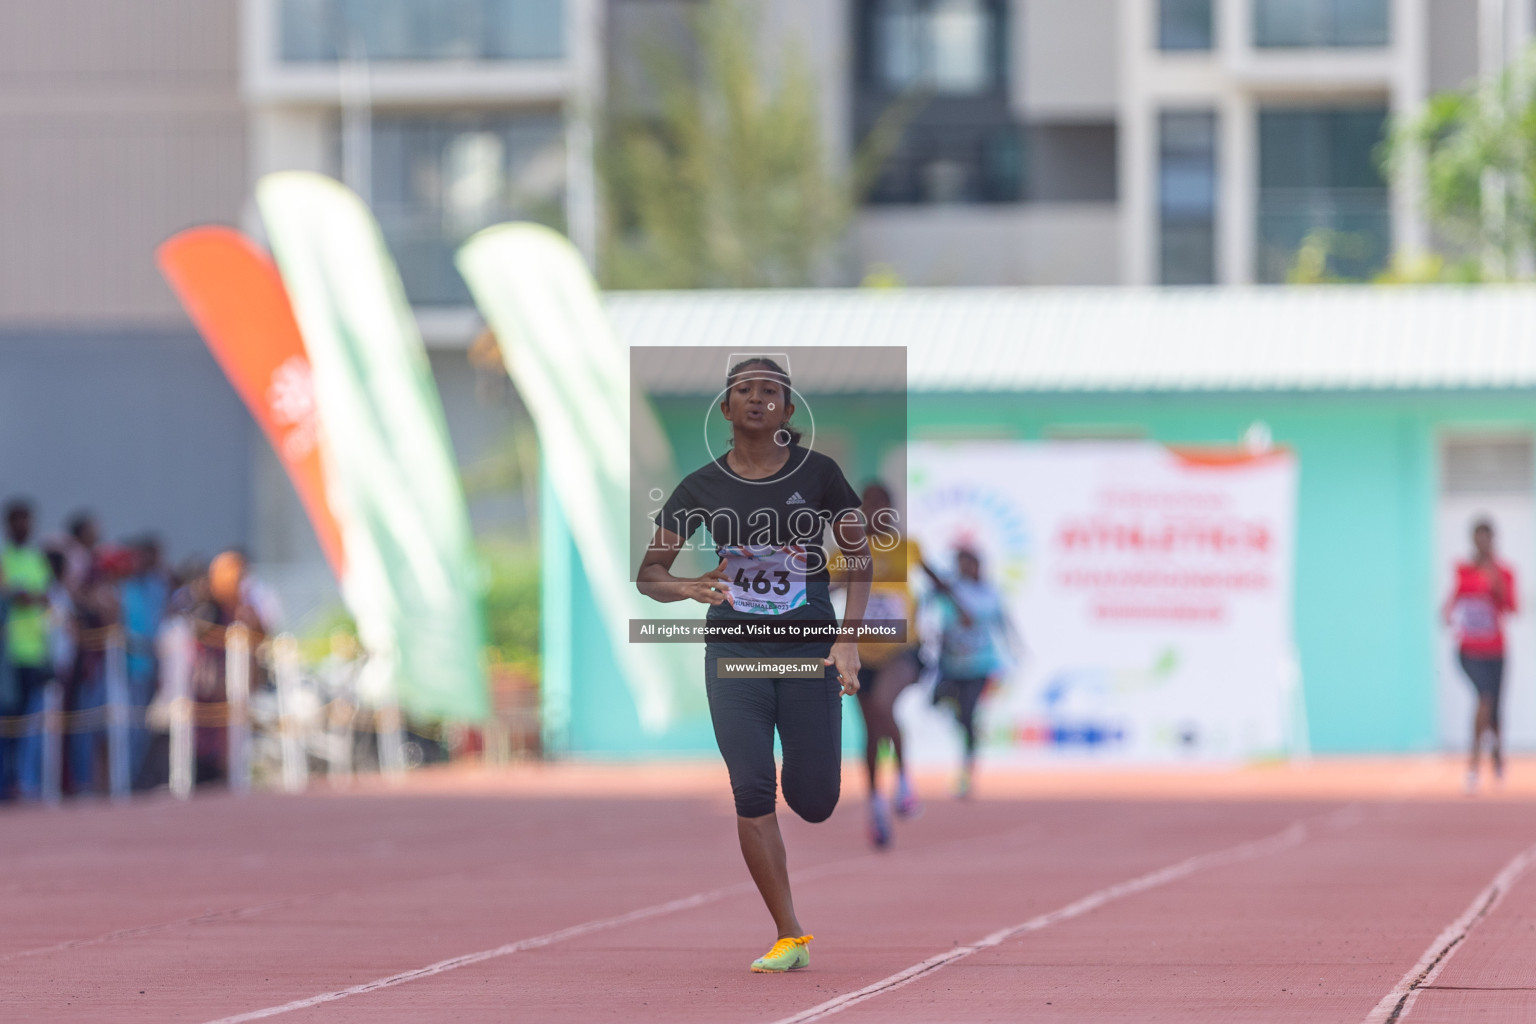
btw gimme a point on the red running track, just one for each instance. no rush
(597, 895)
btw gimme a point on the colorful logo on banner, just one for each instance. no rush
(1152, 590)
(232, 291)
(973, 515)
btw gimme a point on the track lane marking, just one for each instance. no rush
(1396, 1004)
(589, 927)
(453, 963)
(1288, 838)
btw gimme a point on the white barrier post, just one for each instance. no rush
(391, 736)
(342, 713)
(340, 737)
(237, 692)
(176, 645)
(181, 753)
(285, 663)
(118, 782)
(53, 743)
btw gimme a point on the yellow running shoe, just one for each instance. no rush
(786, 955)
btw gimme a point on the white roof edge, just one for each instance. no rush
(1129, 339)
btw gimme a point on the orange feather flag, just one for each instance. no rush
(232, 291)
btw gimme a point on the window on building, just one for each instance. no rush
(960, 141)
(1300, 23)
(329, 30)
(952, 47)
(1184, 25)
(436, 180)
(1484, 466)
(1320, 187)
(1186, 197)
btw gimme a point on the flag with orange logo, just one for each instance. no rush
(232, 291)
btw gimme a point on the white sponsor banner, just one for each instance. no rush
(1151, 587)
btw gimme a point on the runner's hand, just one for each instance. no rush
(711, 588)
(845, 655)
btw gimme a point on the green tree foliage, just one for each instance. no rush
(1479, 179)
(717, 174)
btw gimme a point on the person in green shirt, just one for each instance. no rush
(24, 578)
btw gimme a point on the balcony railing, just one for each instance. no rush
(317, 31)
(1353, 227)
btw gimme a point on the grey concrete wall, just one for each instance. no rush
(820, 32)
(1452, 33)
(120, 123)
(1066, 59)
(1065, 243)
(139, 427)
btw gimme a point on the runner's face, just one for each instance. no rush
(875, 499)
(970, 566)
(757, 402)
(1482, 540)
(19, 526)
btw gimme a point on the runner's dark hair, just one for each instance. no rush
(777, 371)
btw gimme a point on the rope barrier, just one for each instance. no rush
(92, 719)
(208, 634)
(157, 716)
(273, 708)
(95, 639)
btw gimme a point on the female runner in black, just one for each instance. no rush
(766, 504)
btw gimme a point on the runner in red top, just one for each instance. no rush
(1484, 594)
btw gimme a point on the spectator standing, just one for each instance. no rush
(228, 596)
(79, 549)
(145, 595)
(25, 573)
(98, 609)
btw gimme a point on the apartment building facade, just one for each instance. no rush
(1054, 142)
(1045, 142)
(1192, 142)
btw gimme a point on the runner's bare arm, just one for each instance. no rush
(849, 533)
(655, 579)
(940, 587)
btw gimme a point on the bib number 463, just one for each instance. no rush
(760, 584)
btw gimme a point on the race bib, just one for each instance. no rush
(765, 580)
(1477, 617)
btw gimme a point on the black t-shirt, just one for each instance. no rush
(769, 530)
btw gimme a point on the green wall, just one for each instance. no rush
(1365, 615)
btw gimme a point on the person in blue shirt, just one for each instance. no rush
(970, 655)
(144, 597)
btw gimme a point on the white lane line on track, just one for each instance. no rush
(1396, 1004)
(1286, 839)
(576, 931)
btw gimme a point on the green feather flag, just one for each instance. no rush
(573, 372)
(412, 579)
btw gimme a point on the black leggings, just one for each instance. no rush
(808, 714)
(1487, 678)
(963, 695)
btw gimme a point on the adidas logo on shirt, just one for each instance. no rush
(794, 499)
